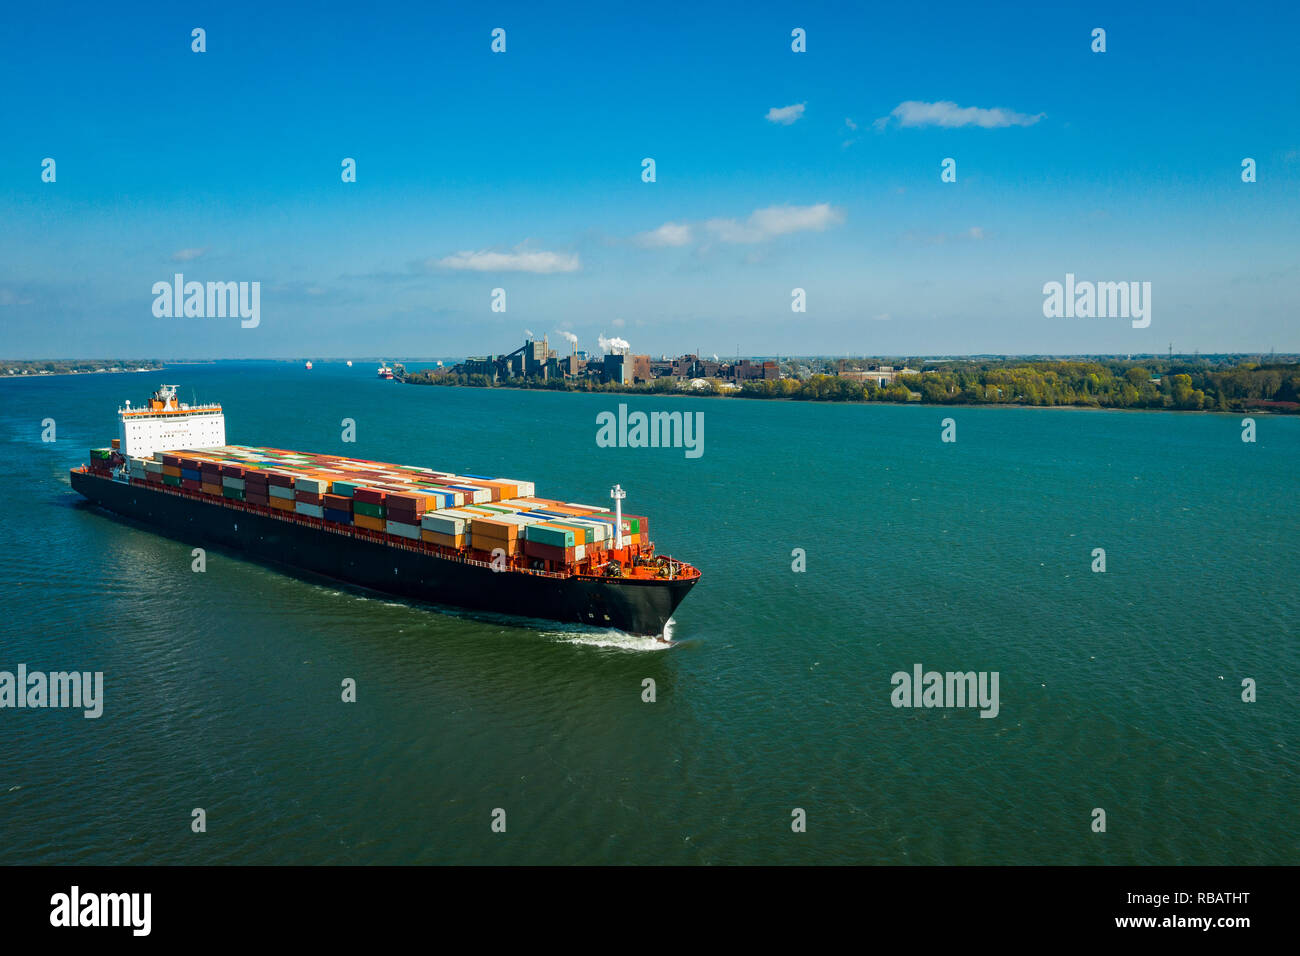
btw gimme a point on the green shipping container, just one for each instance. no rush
(236, 493)
(345, 488)
(365, 508)
(545, 534)
(171, 480)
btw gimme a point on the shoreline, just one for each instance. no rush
(922, 403)
(124, 371)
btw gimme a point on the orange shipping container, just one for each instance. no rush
(365, 521)
(283, 504)
(210, 489)
(446, 540)
(487, 528)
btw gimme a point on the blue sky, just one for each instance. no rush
(522, 171)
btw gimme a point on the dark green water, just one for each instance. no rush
(1119, 690)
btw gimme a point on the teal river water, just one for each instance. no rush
(1119, 690)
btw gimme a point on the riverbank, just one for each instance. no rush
(1243, 388)
(50, 369)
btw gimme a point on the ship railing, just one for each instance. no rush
(364, 534)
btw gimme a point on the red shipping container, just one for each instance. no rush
(253, 498)
(232, 471)
(338, 502)
(370, 496)
(191, 484)
(280, 478)
(549, 552)
(309, 497)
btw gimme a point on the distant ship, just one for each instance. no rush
(349, 363)
(385, 371)
(487, 544)
(309, 366)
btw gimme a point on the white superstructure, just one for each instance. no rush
(168, 425)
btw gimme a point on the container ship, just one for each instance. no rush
(468, 541)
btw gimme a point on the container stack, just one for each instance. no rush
(474, 513)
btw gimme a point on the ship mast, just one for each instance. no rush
(618, 494)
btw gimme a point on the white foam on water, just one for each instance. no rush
(615, 639)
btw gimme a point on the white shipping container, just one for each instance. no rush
(443, 523)
(600, 530)
(403, 529)
(237, 483)
(279, 491)
(303, 508)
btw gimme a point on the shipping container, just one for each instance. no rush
(366, 521)
(338, 517)
(305, 508)
(485, 528)
(550, 534)
(445, 524)
(456, 541)
(360, 507)
(403, 529)
(547, 552)
(307, 483)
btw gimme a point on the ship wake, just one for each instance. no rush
(614, 639)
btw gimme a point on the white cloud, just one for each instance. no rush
(669, 234)
(949, 115)
(187, 255)
(764, 224)
(519, 260)
(849, 123)
(785, 115)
